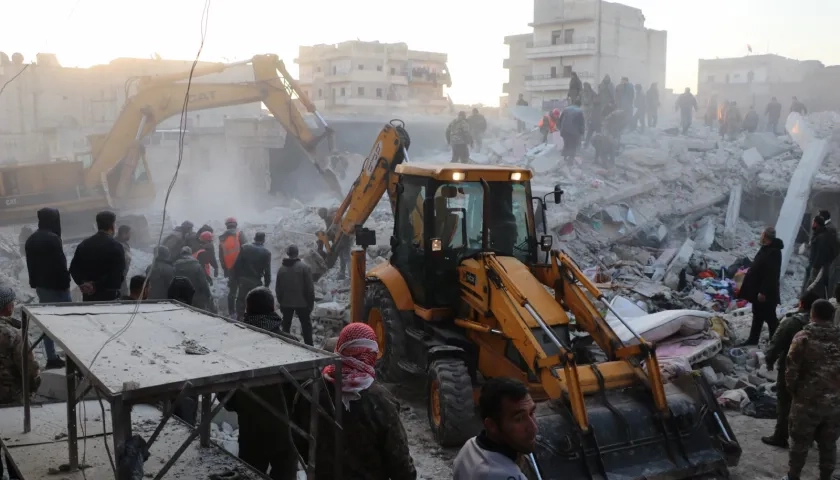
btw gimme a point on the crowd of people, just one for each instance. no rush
(731, 122)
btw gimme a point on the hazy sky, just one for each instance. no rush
(87, 32)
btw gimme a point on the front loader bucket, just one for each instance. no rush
(629, 440)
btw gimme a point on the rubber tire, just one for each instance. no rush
(387, 367)
(458, 419)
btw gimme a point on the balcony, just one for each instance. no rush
(544, 83)
(578, 46)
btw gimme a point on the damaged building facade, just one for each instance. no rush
(374, 77)
(592, 38)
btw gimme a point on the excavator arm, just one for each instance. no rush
(158, 98)
(377, 176)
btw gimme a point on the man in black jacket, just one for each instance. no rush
(295, 293)
(252, 269)
(98, 265)
(761, 285)
(823, 252)
(160, 274)
(47, 266)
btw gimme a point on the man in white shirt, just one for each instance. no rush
(510, 430)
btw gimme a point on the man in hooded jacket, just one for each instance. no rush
(47, 266)
(824, 249)
(160, 274)
(188, 267)
(251, 270)
(295, 293)
(761, 285)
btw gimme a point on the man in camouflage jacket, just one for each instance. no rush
(12, 345)
(777, 351)
(459, 137)
(813, 380)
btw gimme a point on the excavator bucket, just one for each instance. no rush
(295, 174)
(629, 440)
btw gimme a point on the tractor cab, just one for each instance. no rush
(446, 213)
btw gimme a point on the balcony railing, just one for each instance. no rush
(579, 46)
(539, 83)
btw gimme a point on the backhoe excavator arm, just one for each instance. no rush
(158, 98)
(377, 176)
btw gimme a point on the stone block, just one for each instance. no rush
(705, 235)
(679, 262)
(722, 364)
(733, 212)
(766, 144)
(751, 157)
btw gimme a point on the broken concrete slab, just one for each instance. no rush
(814, 151)
(766, 144)
(679, 262)
(649, 157)
(705, 235)
(733, 212)
(751, 157)
(698, 145)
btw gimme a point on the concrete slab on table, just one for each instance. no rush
(152, 352)
(49, 423)
(35, 461)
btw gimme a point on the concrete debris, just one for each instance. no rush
(766, 144)
(704, 237)
(751, 158)
(733, 212)
(678, 264)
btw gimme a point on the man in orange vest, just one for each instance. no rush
(548, 124)
(230, 243)
(205, 256)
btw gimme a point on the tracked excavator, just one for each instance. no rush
(115, 174)
(472, 292)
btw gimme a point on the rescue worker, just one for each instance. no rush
(773, 112)
(653, 104)
(181, 289)
(587, 104)
(478, 126)
(230, 242)
(614, 125)
(295, 292)
(98, 265)
(723, 113)
(606, 95)
(549, 123)
(685, 104)
(624, 94)
(47, 266)
(160, 274)
(13, 348)
(777, 351)
(575, 87)
(813, 380)
(508, 414)
(640, 117)
(733, 120)
(194, 241)
(520, 102)
(761, 285)
(824, 249)
(206, 255)
(179, 238)
(711, 111)
(374, 441)
(188, 267)
(605, 150)
(138, 289)
(750, 123)
(251, 270)
(459, 138)
(344, 249)
(123, 237)
(798, 107)
(572, 127)
(834, 272)
(265, 441)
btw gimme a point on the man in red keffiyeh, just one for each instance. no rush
(358, 348)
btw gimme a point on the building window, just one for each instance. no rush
(379, 68)
(361, 91)
(569, 36)
(553, 72)
(750, 76)
(710, 79)
(342, 91)
(334, 69)
(361, 67)
(378, 93)
(567, 71)
(393, 71)
(320, 93)
(556, 37)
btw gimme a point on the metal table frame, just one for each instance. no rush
(121, 403)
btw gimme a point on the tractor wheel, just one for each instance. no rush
(450, 402)
(384, 318)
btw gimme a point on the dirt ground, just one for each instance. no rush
(758, 461)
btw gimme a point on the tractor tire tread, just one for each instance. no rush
(387, 367)
(458, 418)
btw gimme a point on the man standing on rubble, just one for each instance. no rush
(587, 103)
(773, 112)
(520, 102)
(624, 94)
(179, 238)
(251, 270)
(575, 87)
(230, 243)
(824, 249)
(98, 265)
(510, 430)
(761, 285)
(640, 117)
(459, 138)
(606, 94)
(687, 105)
(295, 293)
(188, 267)
(206, 255)
(123, 237)
(652, 97)
(798, 107)
(777, 351)
(751, 120)
(572, 128)
(733, 120)
(549, 123)
(478, 125)
(813, 380)
(160, 274)
(711, 111)
(47, 267)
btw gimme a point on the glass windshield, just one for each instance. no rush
(459, 212)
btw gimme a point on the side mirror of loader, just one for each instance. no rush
(545, 243)
(558, 194)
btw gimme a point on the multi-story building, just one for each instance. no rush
(518, 67)
(373, 77)
(593, 38)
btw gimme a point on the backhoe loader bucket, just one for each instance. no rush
(628, 439)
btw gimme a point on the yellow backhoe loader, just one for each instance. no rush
(465, 298)
(115, 175)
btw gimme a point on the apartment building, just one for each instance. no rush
(518, 67)
(593, 38)
(373, 77)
